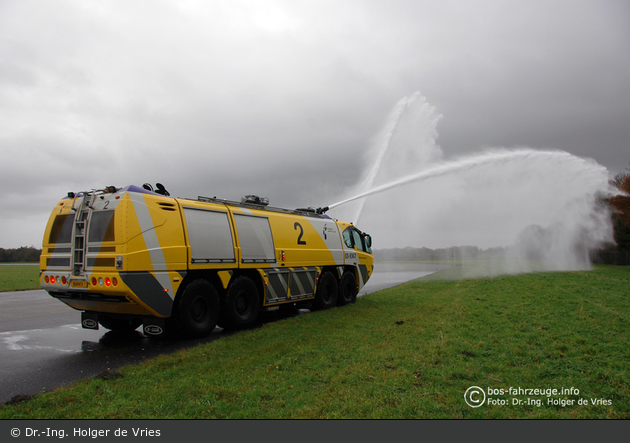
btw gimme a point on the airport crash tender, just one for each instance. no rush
(130, 256)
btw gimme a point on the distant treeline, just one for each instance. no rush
(22, 254)
(453, 253)
(612, 255)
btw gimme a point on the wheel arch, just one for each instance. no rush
(334, 270)
(352, 270)
(255, 276)
(209, 275)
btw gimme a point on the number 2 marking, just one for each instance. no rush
(300, 241)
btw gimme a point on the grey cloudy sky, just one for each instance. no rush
(282, 98)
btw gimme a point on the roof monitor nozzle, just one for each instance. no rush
(322, 210)
(254, 199)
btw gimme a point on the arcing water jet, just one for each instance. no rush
(542, 204)
(492, 157)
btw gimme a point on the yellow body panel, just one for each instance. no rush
(148, 246)
(161, 227)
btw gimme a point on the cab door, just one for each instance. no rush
(359, 253)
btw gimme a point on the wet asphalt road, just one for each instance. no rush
(43, 347)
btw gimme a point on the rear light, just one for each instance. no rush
(104, 281)
(64, 280)
(52, 279)
(46, 279)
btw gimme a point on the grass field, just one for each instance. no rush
(14, 277)
(406, 352)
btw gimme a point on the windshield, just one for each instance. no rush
(353, 238)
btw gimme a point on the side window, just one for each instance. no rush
(358, 241)
(368, 243)
(347, 237)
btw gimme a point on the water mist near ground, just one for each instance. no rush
(542, 207)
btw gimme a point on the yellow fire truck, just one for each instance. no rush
(130, 256)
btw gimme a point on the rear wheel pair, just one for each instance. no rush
(199, 309)
(241, 304)
(196, 310)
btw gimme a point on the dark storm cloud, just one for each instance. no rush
(283, 98)
(554, 77)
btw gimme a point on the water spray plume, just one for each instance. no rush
(530, 203)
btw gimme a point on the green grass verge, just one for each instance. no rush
(19, 277)
(406, 352)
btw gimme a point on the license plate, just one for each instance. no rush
(78, 284)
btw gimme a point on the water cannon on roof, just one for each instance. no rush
(255, 200)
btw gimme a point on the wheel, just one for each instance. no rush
(326, 293)
(348, 289)
(197, 309)
(241, 305)
(119, 324)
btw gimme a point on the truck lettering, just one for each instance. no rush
(299, 240)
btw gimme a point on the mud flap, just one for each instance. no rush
(153, 326)
(89, 320)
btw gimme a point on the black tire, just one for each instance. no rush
(326, 293)
(196, 310)
(119, 324)
(241, 304)
(348, 289)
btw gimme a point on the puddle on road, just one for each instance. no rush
(38, 360)
(62, 339)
